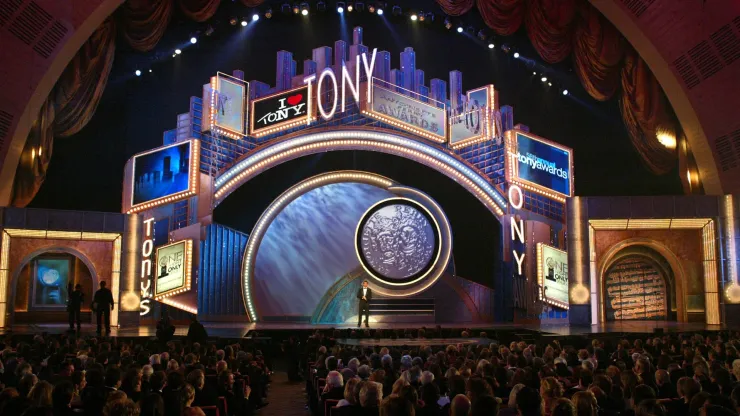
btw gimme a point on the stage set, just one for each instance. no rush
(562, 264)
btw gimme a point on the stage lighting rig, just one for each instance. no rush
(380, 11)
(255, 17)
(516, 55)
(414, 17)
(460, 29)
(209, 30)
(340, 7)
(371, 8)
(422, 16)
(304, 8)
(296, 8)
(359, 6)
(285, 8)
(430, 16)
(565, 92)
(397, 11)
(268, 13)
(350, 7)
(321, 6)
(244, 22)
(233, 21)
(481, 35)
(448, 23)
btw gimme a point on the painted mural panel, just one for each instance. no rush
(634, 290)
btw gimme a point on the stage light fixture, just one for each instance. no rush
(138, 73)
(371, 8)
(534, 72)
(178, 51)
(244, 22)
(543, 79)
(505, 48)
(360, 6)
(491, 46)
(448, 23)
(193, 40)
(173, 55)
(350, 7)
(380, 12)
(304, 8)
(285, 8)
(340, 7)
(397, 11)
(516, 55)
(414, 17)
(210, 30)
(459, 29)
(255, 17)
(268, 14)
(481, 35)
(321, 6)
(422, 16)
(304, 12)
(565, 92)
(430, 16)
(233, 21)
(549, 84)
(296, 8)
(150, 71)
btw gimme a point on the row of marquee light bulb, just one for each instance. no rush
(341, 6)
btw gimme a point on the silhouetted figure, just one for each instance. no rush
(103, 305)
(74, 305)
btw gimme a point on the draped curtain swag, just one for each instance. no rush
(557, 29)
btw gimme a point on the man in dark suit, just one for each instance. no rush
(365, 295)
(74, 305)
(103, 303)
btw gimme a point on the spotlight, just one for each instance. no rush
(481, 35)
(138, 73)
(371, 8)
(193, 40)
(430, 16)
(422, 16)
(549, 84)
(516, 55)
(340, 7)
(321, 6)
(210, 30)
(491, 46)
(255, 17)
(459, 29)
(397, 11)
(244, 22)
(380, 12)
(565, 92)
(173, 55)
(414, 17)
(233, 21)
(304, 12)
(150, 71)
(296, 8)
(505, 48)
(543, 79)
(448, 23)
(350, 8)
(177, 51)
(534, 72)
(268, 14)
(304, 8)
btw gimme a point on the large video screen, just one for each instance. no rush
(161, 173)
(411, 114)
(230, 104)
(171, 273)
(285, 108)
(543, 164)
(553, 271)
(50, 284)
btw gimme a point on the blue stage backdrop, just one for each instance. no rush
(316, 233)
(161, 173)
(543, 164)
(219, 283)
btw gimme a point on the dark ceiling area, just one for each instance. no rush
(86, 170)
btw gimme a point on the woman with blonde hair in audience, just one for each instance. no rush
(585, 404)
(349, 393)
(40, 394)
(398, 385)
(550, 390)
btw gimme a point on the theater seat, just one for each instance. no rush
(210, 410)
(223, 408)
(328, 405)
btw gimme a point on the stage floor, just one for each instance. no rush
(239, 330)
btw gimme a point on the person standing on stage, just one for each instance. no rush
(103, 305)
(74, 304)
(365, 295)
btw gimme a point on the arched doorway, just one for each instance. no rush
(639, 283)
(42, 286)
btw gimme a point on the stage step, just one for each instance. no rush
(401, 306)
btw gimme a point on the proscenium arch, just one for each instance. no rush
(301, 188)
(377, 140)
(608, 259)
(50, 250)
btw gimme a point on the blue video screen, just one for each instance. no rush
(161, 173)
(52, 277)
(543, 164)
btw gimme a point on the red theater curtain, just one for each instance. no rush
(644, 113)
(199, 10)
(598, 48)
(454, 7)
(68, 108)
(503, 16)
(144, 22)
(549, 27)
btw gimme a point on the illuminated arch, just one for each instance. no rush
(277, 206)
(377, 140)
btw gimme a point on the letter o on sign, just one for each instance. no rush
(517, 202)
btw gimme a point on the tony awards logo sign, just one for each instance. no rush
(171, 270)
(279, 109)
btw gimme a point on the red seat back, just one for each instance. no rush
(328, 404)
(210, 410)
